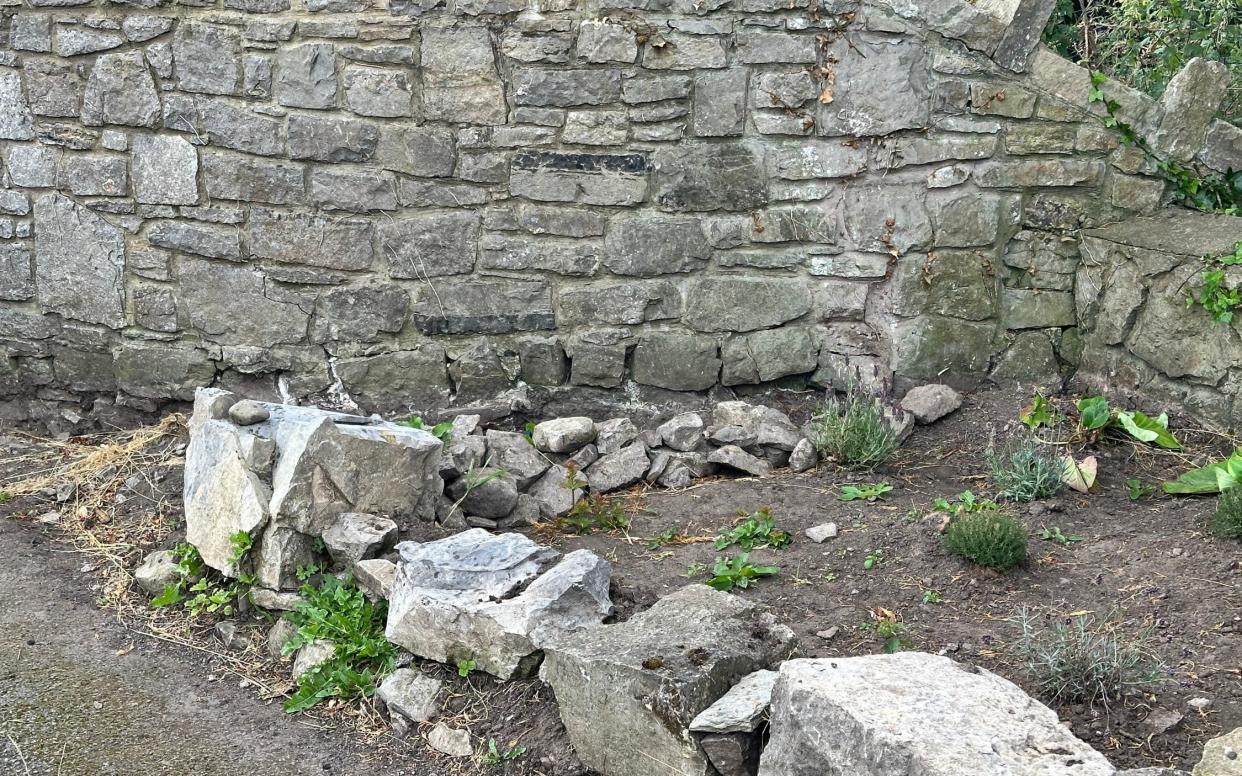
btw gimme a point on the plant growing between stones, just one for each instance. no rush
(758, 530)
(853, 431)
(202, 590)
(1216, 297)
(1022, 470)
(1227, 519)
(339, 612)
(240, 544)
(864, 492)
(497, 756)
(1079, 660)
(465, 668)
(591, 512)
(729, 573)
(987, 538)
(441, 431)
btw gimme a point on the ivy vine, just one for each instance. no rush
(1216, 297)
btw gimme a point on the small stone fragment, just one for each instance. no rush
(247, 413)
(563, 435)
(312, 656)
(454, 743)
(804, 456)
(156, 572)
(822, 533)
(278, 636)
(741, 709)
(612, 435)
(411, 694)
(356, 536)
(736, 458)
(619, 469)
(929, 403)
(375, 576)
(683, 432)
(490, 493)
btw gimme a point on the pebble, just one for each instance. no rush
(829, 634)
(247, 413)
(1176, 552)
(1200, 704)
(455, 743)
(822, 533)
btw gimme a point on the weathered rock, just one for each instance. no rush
(1188, 105)
(549, 491)
(281, 633)
(929, 403)
(120, 90)
(1222, 756)
(736, 458)
(804, 456)
(247, 413)
(515, 454)
(274, 600)
(563, 435)
(612, 435)
(683, 432)
(355, 536)
(375, 576)
(411, 694)
(461, 455)
(741, 709)
(226, 633)
(165, 170)
(822, 533)
(313, 655)
(628, 692)
(454, 742)
(914, 713)
(458, 599)
(79, 262)
(157, 571)
(619, 469)
(487, 492)
(732, 754)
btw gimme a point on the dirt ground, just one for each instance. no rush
(92, 692)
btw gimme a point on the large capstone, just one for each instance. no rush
(289, 479)
(495, 599)
(914, 713)
(628, 692)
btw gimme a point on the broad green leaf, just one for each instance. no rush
(1079, 475)
(1147, 429)
(1039, 412)
(1093, 412)
(1208, 479)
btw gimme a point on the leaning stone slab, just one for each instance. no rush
(496, 599)
(914, 713)
(628, 692)
(741, 709)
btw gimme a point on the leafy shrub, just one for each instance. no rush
(1227, 522)
(853, 431)
(1024, 471)
(339, 612)
(1144, 43)
(1078, 660)
(988, 538)
(757, 530)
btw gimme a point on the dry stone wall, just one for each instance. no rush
(425, 203)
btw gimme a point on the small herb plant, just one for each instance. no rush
(1040, 412)
(1227, 520)
(5, 496)
(496, 756)
(1137, 491)
(988, 538)
(1216, 297)
(966, 503)
(465, 668)
(864, 492)
(758, 530)
(1054, 534)
(729, 573)
(873, 559)
(1079, 660)
(890, 629)
(338, 611)
(1095, 415)
(853, 431)
(202, 590)
(668, 536)
(441, 431)
(931, 597)
(1022, 470)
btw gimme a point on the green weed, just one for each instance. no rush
(729, 573)
(1024, 471)
(853, 431)
(1054, 534)
(1227, 520)
(1040, 412)
(441, 431)
(1137, 491)
(465, 668)
(866, 492)
(873, 559)
(496, 756)
(758, 530)
(201, 590)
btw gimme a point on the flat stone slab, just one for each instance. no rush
(628, 692)
(740, 709)
(914, 714)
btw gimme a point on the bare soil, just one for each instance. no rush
(1149, 565)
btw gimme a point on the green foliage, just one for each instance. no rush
(1137, 491)
(1216, 297)
(868, 492)
(988, 538)
(1144, 43)
(441, 431)
(1040, 412)
(497, 756)
(241, 543)
(338, 611)
(1211, 192)
(1077, 660)
(1022, 470)
(967, 504)
(465, 668)
(5, 496)
(199, 589)
(1054, 534)
(892, 632)
(873, 559)
(593, 512)
(730, 573)
(668, 536)
(304, 573)
(853, 431)
(1227, 520)
(1095, 415)
(1213, 478)
(756, 531)
(931, 597)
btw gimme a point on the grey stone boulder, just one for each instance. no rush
(913, 713)
(375, 576)
(494, 599)
(247, 412)
(804, 456)
(612, 435)
(461, 455)
(490, 493)
(741, 709)
(278, 636)
(628, 692)
(738, 459)
(313, 655)
(550, 493)
(357, 536)
(157, 571)
(1222, 756)
(411, 694)
(683, 432)
(563, 435)
(274, 600)
(929, 403)
(619, 469)
(515, 454)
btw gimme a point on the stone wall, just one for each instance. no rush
(1141, 336)
(417, 204)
